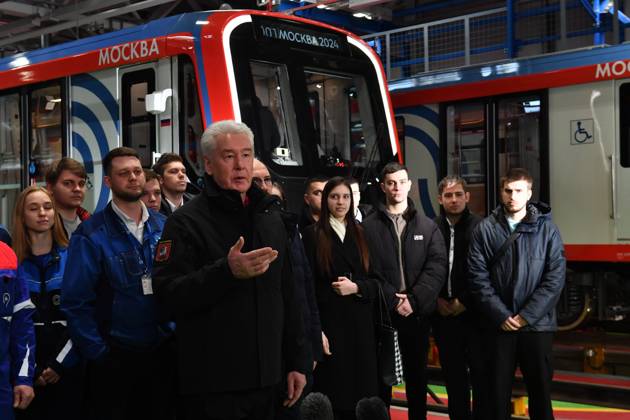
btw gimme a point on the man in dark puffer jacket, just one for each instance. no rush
(517, 288)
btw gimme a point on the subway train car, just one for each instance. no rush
(566, 118)
(315, 97)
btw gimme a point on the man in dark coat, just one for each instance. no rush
(305, 291)
(312, 201)
(517, 272)
(407, 251)
(456, 322)
(222, 273)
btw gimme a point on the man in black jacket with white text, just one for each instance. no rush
(407, 252)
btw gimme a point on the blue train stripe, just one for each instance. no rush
(84, 113)
(421, 111)
(425, 198)
(426, 140)
(79, 143)
(93, 85)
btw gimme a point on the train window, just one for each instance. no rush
(624, 122)
(10, 155)
(343, 119)
(518, 137)
(138, 125)
(278, 126)
(46, 144)
(466, 150)
(191, 125)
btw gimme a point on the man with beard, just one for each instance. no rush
(517, 272)
(66, 180)
(108, 299)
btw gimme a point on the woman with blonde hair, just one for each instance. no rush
(40, 243)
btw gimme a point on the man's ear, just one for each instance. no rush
(108, 181)
(207, 165)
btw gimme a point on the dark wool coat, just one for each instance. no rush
(350, 373)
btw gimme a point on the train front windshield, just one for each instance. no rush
(313, 110)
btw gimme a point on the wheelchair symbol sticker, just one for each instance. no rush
(582, 131)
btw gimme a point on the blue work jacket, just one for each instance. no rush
(43, 275)
(17, 339)
(102, 293)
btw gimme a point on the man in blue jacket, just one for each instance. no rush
(517, 272)
(17, 338)
(108, 299)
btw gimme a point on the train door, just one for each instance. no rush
(621, 169)
(484, 139)
(139, 127)
(147, 133)
(189, 123)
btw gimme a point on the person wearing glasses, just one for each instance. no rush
(261, 176)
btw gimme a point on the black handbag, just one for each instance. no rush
(390, 366)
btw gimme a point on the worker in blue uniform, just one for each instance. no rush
(17, 338)
(108, 299)
(40, 246)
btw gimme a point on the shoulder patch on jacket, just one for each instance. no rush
(163, 251)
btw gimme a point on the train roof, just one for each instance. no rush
(506, 76)
(178, 24)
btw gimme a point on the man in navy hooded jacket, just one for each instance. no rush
(517, 287)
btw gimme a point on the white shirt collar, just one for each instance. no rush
(137, 230)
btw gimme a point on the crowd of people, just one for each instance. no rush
(224, 305)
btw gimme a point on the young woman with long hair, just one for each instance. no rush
(40, 243)
(340, 261)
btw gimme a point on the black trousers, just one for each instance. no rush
(463, 363)
(413, 338)
(531, 351)
(63, 400)
(257, 404)
(132, 385)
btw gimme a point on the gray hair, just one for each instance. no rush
(221, 128)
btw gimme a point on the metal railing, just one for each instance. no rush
(525, 30)
(446, 43)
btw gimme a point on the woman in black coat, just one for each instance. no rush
(339, 257)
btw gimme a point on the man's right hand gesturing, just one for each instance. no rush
(249, 264)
